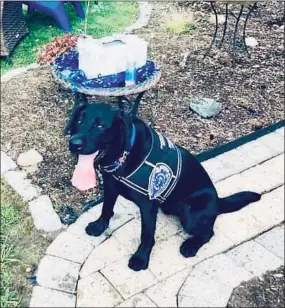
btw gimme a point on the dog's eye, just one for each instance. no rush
(97, 124)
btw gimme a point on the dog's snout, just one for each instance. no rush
(76, 143)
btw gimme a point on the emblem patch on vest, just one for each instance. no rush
(159, 180)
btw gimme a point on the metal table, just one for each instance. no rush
(120, 94)
(245, 11)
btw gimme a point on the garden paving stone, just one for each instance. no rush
(127, 281)
(18, 181)
(44, 215)
(273, 241)
(122, 214)
(230, 185)
(108, 252)
(237, 161)
(166, 259)
(253, 219)
(164, 293)
(274, 141)
(138, 300)
(269, 211)
(45, 297)
(78, 228)
(255, 154)
(216, 169)
(254, 258)
(211, 282)
(261, 178)
(239, 226)
(166, 226)
(129, 235)
(96, 291)
(59, 274)
(7, 163)
(68, 246)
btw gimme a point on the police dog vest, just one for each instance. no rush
(158, 174)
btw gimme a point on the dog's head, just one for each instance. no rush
(95, 127)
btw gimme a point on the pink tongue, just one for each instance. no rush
(84, 176)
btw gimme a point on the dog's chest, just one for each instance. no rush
(158, 173)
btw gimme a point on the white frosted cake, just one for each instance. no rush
(110, 55)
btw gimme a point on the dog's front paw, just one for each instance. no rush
(138, 262)
(189, 248)
(96, 228)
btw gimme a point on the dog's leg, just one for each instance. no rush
(197, 217)
(139, 260)
(97, 227)
(190, 247)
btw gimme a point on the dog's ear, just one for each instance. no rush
(123, 116)
(123, 123)
(80, 102)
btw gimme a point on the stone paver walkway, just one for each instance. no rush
(83, 271)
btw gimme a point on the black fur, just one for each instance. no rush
(194, 200)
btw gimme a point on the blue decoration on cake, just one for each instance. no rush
(66, 67)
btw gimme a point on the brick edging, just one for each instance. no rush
(17, 179)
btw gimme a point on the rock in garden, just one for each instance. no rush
(251, 42)
(206, 107)
(29, 158)
(31, 169)
(28, 270)
(221, 19)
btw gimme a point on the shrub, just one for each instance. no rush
(57, 47)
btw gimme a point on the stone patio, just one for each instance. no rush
(83, 271)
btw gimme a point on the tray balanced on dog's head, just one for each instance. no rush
(66, 73)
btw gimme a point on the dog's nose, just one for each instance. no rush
(76, 143)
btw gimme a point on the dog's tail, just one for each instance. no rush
(237, 201)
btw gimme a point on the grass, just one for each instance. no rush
(180, 23)
(21, 247)
(108, 18)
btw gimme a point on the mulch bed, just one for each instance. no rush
(34, 109)
(265, 291)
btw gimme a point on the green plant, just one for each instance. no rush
(180, 23)
(21, 247)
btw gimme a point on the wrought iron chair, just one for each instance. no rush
(12, 26)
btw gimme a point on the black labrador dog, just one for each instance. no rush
(145, 167)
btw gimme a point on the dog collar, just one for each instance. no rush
(120, 161)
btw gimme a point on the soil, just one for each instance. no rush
(265, 291)
(34, 108)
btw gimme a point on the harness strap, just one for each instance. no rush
(154, 177)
